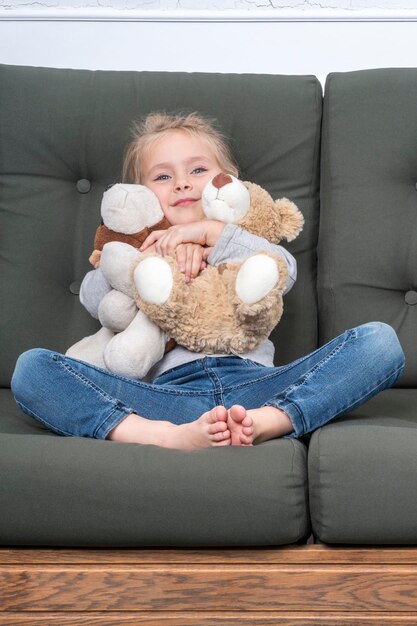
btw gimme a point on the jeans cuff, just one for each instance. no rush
(112, 420)
(293, 413)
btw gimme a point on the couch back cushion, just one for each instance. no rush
(62, 137)
(368, 222)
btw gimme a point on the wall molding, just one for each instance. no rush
(277, 15)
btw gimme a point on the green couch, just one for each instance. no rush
(351, 167)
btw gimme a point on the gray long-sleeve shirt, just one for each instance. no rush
(234, 244)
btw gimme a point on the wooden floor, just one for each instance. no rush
(300, 585)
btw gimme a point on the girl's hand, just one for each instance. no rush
(191, 259)
(149, 250)
(205, 233)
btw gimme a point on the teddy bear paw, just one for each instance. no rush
(153, 279)
(257, 276)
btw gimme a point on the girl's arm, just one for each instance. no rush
(229, 243)
(204, 233)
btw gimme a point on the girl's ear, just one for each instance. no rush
(292, 220)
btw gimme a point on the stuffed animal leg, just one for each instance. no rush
(116, 310)
(129, 343)
(136, 349)
(225, 310)
(139, 344)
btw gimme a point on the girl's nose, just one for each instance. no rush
(183, 183)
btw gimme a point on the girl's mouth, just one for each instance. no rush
(185, 202)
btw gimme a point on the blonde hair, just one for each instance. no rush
(156, 125)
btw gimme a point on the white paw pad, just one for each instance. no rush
(255, 279)
(153, 280)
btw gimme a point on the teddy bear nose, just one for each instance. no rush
(220, 180)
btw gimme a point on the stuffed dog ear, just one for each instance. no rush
(292, 220)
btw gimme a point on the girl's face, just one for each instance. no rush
(176, 168)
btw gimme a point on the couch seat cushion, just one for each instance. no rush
(363, 473)
(70, 491)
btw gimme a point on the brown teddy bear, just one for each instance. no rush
(233, 307)
(230, 308)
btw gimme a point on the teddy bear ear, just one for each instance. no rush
(292, 220)
(129, 208)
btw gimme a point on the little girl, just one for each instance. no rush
(191, 400)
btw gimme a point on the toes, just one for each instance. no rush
(238, 413)
(221, 436)
(220, 413)
(226, 442)
(240, 426)
(247, 430)
(245, 440)
(217, 415)
(217, 427)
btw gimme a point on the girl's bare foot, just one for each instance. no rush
(240, 426)
(210, 429)
(269, 423)
(257, 425)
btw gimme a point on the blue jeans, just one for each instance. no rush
(71, 397)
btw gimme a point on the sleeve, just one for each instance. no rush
(93, 289)
(235, 244)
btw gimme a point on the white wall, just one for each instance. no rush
(268, 36)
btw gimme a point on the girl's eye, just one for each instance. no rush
(162, 177)
(199, 170)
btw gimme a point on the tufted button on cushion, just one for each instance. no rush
(83, 185)
(411, 297)
(75, 287)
